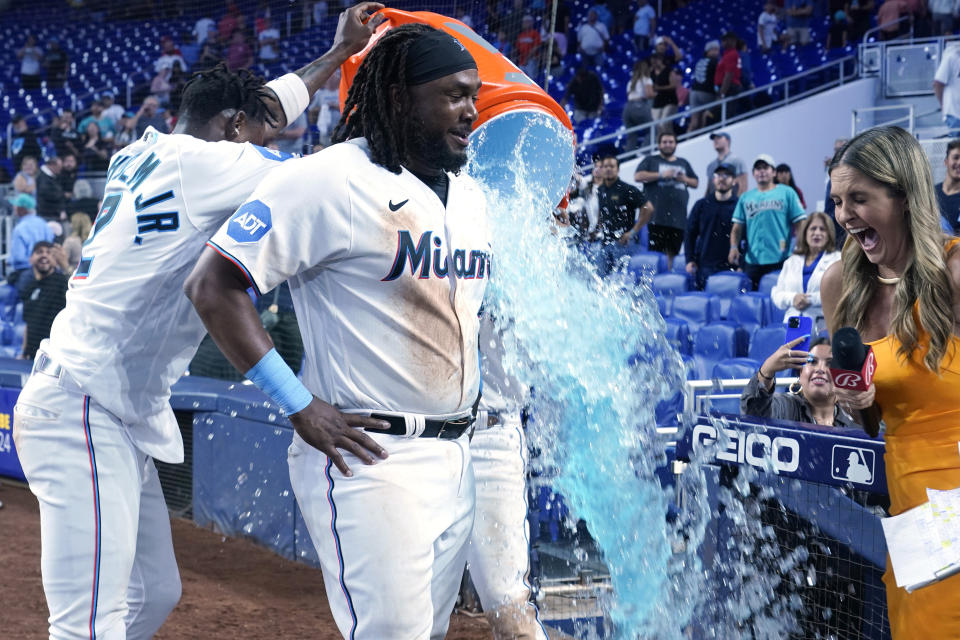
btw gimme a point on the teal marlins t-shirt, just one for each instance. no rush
(768, 216)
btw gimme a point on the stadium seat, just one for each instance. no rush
(678, 334)
(648, 263)
(735, 368)
(695, 308)
(670, 284)
(716, 342)
(727, 285)
(663, 305)
(765, 341)
(750, 310)
(768, 282)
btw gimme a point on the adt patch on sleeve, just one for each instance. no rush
(250, 223)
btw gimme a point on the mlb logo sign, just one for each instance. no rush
(250, 223)
(852, 464)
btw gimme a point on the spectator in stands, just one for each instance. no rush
(502, 44)
(888, 16)
(604, 14)
(56, 64)
(812, 399)
(23, 142)
(721, 144)
(799, 14)
(209, 57)
(231, 22)
(324, 109)
(68, 173)
(26, 179)
(291, 138)
(111, 110)
(105, 126)
(798, 287)
(839, 30)
(96, 150)
(269, 41)
(593, 37)
(149, 116)
(766, 214)
(126, 131)
(28, 230)
(666, 80)
(637, 110)
(84, 198)
(557, 52)
(708, 227)
(728, 78)
(44, 296)
(948, 191)
(622, 212)
(160, 86)
(583, 211)
(51, 200)
(768, 27)
(203, 30)
(828, 207)
(946, 86)
(666, 179)
(239, 54)
(746, 67)
(169, 54)
(941, 13)
(80, 226)
(644, 25)
(510, 22)
(586, 90)
(784, 175)
(64, 134)
(859, 16)
(30, 56)
(704, 91)
(675, 54)
(526, 47)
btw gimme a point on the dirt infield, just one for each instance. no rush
(232, 589)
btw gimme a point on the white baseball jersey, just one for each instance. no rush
(386, 281)
(128, 332)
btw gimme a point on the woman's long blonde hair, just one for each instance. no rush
(892, 158)
(81, 225)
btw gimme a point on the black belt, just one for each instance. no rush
(442, 429)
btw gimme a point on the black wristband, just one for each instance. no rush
(760, 373)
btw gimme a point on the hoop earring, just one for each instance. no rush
(798, 391)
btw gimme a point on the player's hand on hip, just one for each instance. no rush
(356, 26)
(325, 428)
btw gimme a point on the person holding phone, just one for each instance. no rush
(812, 399)
(898, 284)
(798, 285)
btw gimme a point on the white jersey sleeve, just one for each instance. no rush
(218, 173)
(298, 217)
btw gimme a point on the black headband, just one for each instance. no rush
(436, 54)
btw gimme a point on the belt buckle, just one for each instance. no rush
(452, 433)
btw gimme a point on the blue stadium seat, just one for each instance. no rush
(670, 284)
(646, 264)
(678, 334)
(765, 341)
(750, 310)
(663, 305)
(696, 309)
(736, 368)
(727, 285)
(768, 282)
(716, 342)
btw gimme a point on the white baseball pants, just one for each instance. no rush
(499, 550)
(392, 539)
(107, 560)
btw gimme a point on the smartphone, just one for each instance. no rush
(799, 326)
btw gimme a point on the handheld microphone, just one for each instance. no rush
(853, 367)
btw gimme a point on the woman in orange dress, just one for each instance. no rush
(898, 284)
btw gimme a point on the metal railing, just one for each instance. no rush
(729, 104)
(880, 27)
(907, 121)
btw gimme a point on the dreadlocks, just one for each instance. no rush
(209, 92)
(369, 112)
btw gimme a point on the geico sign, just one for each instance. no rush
(755, 449)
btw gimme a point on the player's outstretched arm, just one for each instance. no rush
(217, 289)
(353, 33)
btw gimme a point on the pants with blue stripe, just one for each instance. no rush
(499, 551)
(107, 560)
(392, 538)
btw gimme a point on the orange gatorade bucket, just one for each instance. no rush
(520, 132)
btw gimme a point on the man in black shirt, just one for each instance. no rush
(623, 210)
(707, 240)
(43, 297)
(23, 142)
(586, 90)
(51, 201)
(948, 191)
(704, 91)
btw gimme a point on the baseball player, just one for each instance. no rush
(95, 410)
(499, 554)
(385, 247)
